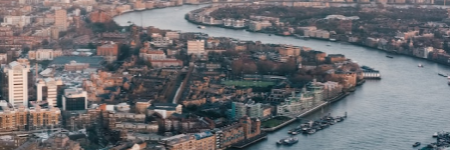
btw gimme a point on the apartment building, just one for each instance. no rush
(42, 118)
(199, 141)
(44, 54)
(12, 118)
(20, 118)
(196, 47)
(20, 21)
(289, 50)
(61, 19)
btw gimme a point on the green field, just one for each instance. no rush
(274, 121)
(248, 83)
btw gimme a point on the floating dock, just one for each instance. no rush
(370, 73)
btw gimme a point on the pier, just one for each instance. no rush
(370, 73)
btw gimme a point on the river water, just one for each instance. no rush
(408, 105)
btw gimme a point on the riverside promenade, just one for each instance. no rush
(307, 112)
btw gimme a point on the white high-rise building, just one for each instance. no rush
(17, 74)
(196, 47)
(47, 89)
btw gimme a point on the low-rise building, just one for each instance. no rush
(109, 51)
(164, 109)
(204, 141)
(196, 47)
(164, 63)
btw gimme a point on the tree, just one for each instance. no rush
(288, 67)
(124, 52)
(45, 42)
(446, 47)
(149, 64)
(264, 67)
(25, 50)
(91, 46)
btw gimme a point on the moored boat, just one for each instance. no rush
(389, 56)
(441, 74)
(420, 65)
(311, 131)
(290, 141)
(416, 144)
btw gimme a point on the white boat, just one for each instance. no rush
(435, 134)
(420, 65)
(201, 27)
(448, 80)
(333, 40)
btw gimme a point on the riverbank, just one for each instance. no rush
(431, 58)
(377, 103)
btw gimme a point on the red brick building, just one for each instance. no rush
(99, 16)
(110, 51)
(163, 63)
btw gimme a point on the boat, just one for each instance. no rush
(201, 27)
(333, 40)
(443, 75)
(281, 141)
(312, 131)
(420, 65)
(389, 56)
(435, 135)
(270, 34)
(416, 144)
(290, 141)
(448, 78)
(294, 133)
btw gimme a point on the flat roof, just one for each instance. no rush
(93, 62)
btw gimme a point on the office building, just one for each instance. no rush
(48, 89)
(15, 78)
(74, 99)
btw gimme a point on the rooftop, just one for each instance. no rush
(93, 62)
(165, 106)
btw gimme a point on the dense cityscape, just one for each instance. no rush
(73, 78)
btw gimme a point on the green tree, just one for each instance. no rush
(149, 64)
(124, 52)
(91, 46)
(45, 42)
(446, 47)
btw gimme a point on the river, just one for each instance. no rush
(408, 105)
